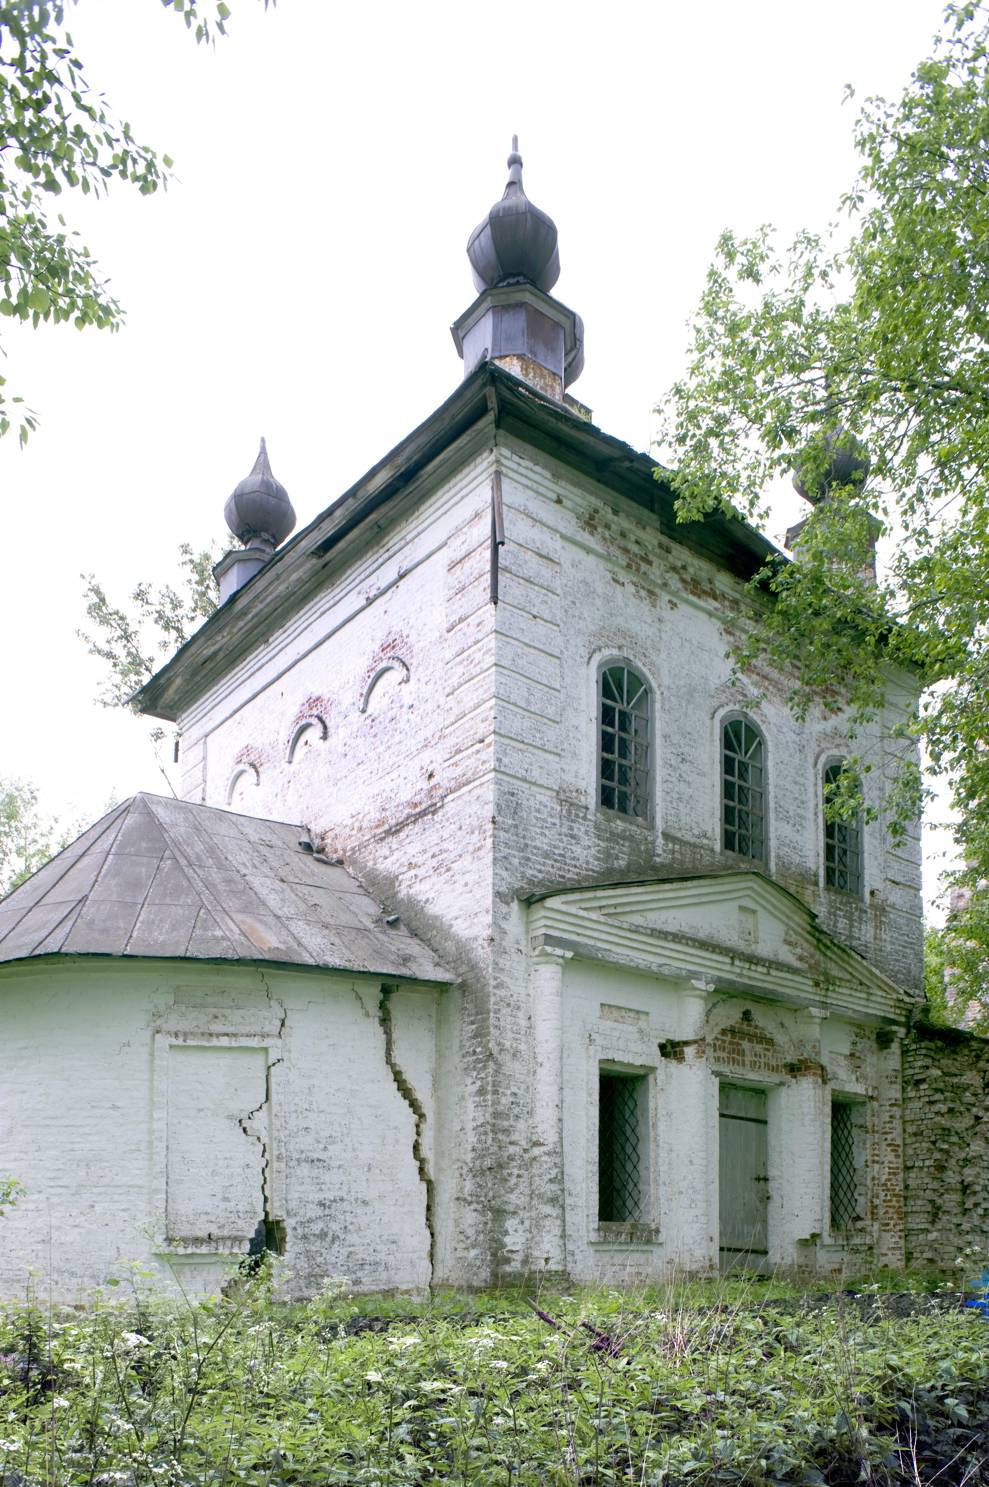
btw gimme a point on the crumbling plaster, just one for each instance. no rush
(475, 781)
(171, 1106)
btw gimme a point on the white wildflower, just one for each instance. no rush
(133, 1340)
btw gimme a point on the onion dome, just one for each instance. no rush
(259, 508)
(516, 240)
(837, 459)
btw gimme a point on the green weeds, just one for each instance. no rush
(702, 1386)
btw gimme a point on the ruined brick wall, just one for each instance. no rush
(946, 1143)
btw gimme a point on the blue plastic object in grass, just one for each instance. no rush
(980, 1302)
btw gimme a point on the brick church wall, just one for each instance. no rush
(946, 1140)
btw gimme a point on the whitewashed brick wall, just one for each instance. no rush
(472, 780)
(137, 1111)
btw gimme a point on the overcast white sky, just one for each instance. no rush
(299, 277)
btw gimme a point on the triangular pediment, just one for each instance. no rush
(738, 928)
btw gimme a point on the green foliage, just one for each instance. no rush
(956, 969)
(27, 838)
(59, 135)
(204, 22)
(10, 1189)
(243, 1391)
(942, 1008)
(133, 641)
(877, 328)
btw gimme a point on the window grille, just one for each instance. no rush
(619, 1149)
(842, 844)
(844, 1176)
(624, 763)
(743, 789)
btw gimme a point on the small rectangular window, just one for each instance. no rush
(847, 1165)
(622, 1147)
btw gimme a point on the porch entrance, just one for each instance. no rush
(743, 1178)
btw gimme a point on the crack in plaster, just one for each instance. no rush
(244, 1121)
(363, 1005)
(410, 1097)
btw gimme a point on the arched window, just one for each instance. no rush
(743, 789)
(623, 767)
(842, 842)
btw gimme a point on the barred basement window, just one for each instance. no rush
(624, 737)
(621, 1153)
(842, 844)
(846, 1164)
(743, 789)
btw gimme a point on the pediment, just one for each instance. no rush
(737, 927)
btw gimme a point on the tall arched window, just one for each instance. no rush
(623, 767)
(743, 789)
(842, 842)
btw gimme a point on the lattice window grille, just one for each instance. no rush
(624, 762)
(844, 1176)
(743, 790)
(619, 1150)
(842, 846)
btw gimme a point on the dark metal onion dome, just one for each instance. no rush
(259, 508)
(516, 240)
(839, 459)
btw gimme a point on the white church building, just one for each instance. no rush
(497, 934)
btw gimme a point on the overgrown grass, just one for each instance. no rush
(684, 1385)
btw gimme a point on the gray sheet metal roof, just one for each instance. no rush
(168, 879)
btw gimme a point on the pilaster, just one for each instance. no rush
(546, 1165)
(692, 1182)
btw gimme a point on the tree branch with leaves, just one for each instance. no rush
(878, 328)
(58, 135)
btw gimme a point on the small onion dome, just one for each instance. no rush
(516, 240)
(259, 506)
(837, 459)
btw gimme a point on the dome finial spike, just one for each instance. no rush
(514, 166)
(262, 465)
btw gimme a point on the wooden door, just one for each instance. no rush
(743, 1179)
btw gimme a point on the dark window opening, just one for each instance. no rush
(624, 733)
(842, 844)
(743, 789)
(846, 1169)
(620, 1148)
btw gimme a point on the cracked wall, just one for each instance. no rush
(171, 1108)
(472, 778)
(215, 1177)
